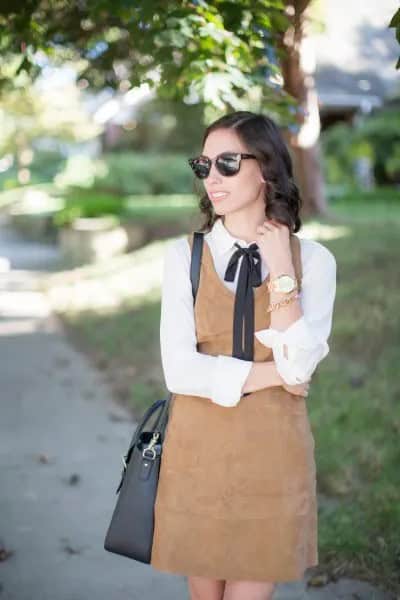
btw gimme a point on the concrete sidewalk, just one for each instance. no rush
(61, 441)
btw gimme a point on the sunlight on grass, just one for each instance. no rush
(106, 286)
(315, 230)
(25, 193)
(37, 201)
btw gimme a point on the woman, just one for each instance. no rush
(236, 508)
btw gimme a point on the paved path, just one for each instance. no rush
(61, 439)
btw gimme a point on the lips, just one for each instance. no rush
(218, 195)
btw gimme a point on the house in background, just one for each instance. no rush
(356, 56)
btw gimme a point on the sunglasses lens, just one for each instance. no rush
(228, 164)
(201, 167)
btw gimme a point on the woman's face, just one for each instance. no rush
(244, 188)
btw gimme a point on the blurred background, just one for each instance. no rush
(101, 104)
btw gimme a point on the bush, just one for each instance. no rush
(138, 173)
(374, 137)
(130, 173)
(43, 168)
(87, 203)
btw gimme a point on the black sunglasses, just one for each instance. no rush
(227, 163)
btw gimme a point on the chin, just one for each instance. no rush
(220, 210)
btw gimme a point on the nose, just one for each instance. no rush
(214, 175)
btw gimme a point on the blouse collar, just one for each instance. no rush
(223, 240)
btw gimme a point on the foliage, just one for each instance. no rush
(43, 167)
(130, 173)
(381, 131)
(136, 173)
(55, 117)
(80, 170)
(217, 52)
(30, 112)
(163, 208)
(85, 203)
(162, 125)
(395, 22)
(374, 136)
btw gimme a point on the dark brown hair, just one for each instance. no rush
(262, 137)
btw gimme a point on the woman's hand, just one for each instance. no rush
(273, 240)
(299, 389)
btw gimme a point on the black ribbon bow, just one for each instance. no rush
(249, 277)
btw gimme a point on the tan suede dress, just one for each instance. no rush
(236, 497)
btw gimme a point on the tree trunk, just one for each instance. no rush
(297, 66)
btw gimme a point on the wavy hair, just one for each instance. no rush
(262, 138)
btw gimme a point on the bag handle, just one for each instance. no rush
(149, 412)
(126, 458)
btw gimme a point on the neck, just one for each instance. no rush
(244, 225)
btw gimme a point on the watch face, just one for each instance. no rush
(286, 283)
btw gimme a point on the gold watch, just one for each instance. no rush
(283, 283)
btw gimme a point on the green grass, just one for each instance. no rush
(382, 210)
(354, 402)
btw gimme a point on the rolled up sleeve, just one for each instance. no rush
(229, 375)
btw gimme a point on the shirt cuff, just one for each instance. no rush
(228, 378)
(304, 350)
(298, 334)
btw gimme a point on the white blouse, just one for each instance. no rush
(221, 378)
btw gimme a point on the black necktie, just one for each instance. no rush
(249, 277)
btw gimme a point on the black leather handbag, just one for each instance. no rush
(130, 532)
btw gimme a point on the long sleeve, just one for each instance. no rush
(298, 349)
(187, 371)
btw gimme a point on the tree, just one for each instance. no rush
(395, 22)
(29, 113)
(299, 83)
(231, 55)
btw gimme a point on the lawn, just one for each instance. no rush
(354, 402)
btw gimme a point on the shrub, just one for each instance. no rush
(139, 173)
(374, 137)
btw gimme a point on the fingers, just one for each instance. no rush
(263, 228)
(301, 389)
(298, 389)
(267, 225)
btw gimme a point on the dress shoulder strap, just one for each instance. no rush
(195, 239)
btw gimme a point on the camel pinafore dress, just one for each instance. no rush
(236, 496)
